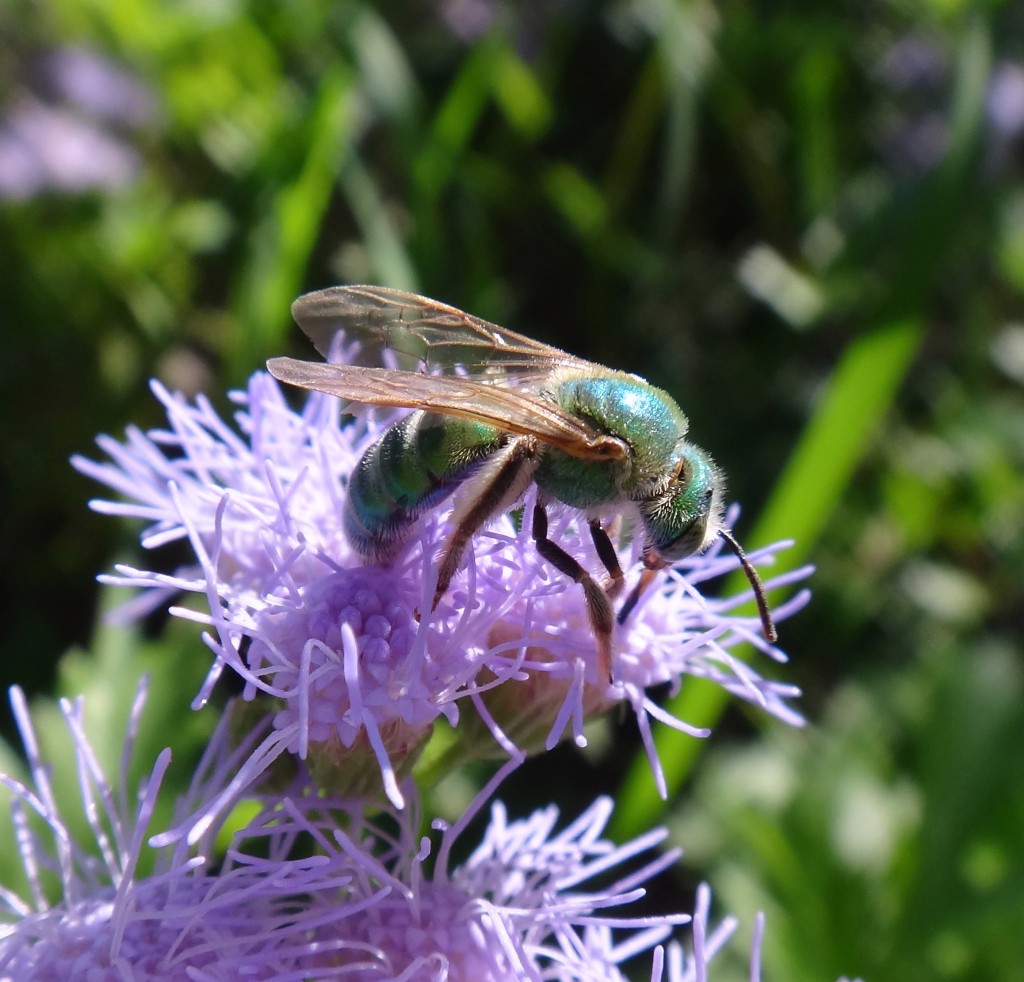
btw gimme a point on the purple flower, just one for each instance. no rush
(468, 20)
(518, 908)
(531, 901)
(185, 920)
(316, 887)
(48, 148)
(915, 64)
(1004, 101)
(58, 133)
(90, 82)
(352, 661)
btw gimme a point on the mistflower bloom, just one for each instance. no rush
(312, 887)
(89, 912)
(531, 902)
(357, 664)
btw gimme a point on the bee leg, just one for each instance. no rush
(599, 608)
(652, 566)
(608, 556)
(494, 488)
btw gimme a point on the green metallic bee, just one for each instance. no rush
(495, 412)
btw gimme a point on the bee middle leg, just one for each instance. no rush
(599, 608)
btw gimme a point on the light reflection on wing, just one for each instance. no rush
(507, 409)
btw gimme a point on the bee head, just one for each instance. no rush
(685, 516)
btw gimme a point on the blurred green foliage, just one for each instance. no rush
(805, 220)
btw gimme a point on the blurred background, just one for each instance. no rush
(804, 220)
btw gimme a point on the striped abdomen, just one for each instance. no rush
(415, 465)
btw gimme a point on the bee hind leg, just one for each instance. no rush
(492, 490)
(599, 608)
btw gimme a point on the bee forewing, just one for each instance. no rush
(506, 409)
(436, 335)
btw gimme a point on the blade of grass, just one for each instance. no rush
(385, 243)
(282, 244)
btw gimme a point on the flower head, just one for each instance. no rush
(90, 912)
(354, 659)
(319, 887)
(530, 902)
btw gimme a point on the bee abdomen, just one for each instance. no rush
(414, 466)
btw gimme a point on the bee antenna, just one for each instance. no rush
(767, 624)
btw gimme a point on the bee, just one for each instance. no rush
(494, 412)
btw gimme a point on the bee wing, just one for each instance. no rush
(511, 410)
(437, 336)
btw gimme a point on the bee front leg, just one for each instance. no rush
(599, 607)
(652, 566)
